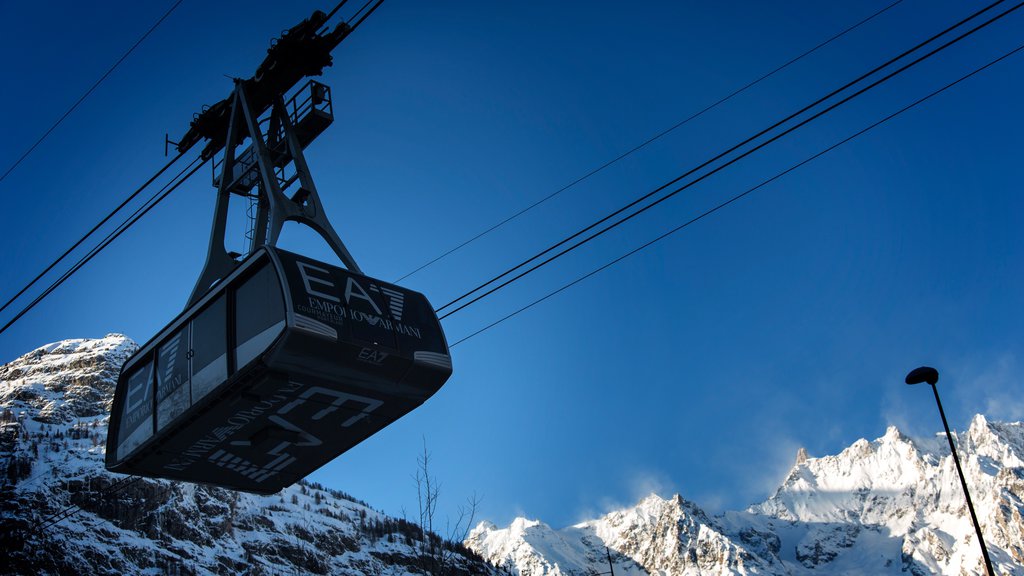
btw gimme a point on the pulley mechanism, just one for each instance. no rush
(277, 132)
(300, 52)
(279, 363)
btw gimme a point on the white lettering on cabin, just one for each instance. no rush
(339, 399)
(213, 450)
(168, 354)
(235, 422)
(136, 385)
(372, 356)
(307, 279)
(326, 307)
(358, 292)
(353, 289)
(306, 439)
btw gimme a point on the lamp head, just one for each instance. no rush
(923, 374)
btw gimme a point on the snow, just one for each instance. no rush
(55, 402)
(893, 505)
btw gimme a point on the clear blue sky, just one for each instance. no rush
(698, 366)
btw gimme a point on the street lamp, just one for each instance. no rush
(931, 376)
(611, 567)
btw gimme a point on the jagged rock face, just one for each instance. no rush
(891, 506)
(662, 537)
(910, 490)
(54, 403)
(676, 537)
(65, 380)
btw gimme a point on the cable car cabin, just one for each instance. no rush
(278, 369)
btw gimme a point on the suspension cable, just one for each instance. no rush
(650, 140)
(335, 9)
(365, 16)
(738, 196)
(69, 511)
(718, 157)
(375, 4)
(90, 90)
(192, 168)
(179, 179)
(92, 231)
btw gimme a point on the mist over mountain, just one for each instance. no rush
(888, 506)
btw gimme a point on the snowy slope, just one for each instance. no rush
(888, 506)
(53, 412)
(891, 506)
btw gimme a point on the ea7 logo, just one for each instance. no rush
(372, 356)
(317, 281)
(314, 284)
(396, 300)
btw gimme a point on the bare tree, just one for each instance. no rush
(437, 552)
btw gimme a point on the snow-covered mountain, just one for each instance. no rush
(891, 506)
(62, 513)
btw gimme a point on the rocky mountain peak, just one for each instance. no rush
(65, 380)
(999, 441)
(893, 435)
(61, 512)
(888, 506)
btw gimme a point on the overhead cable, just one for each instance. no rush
(359, 19)
(371, 4)
(717, 169)
(650, 140)
(128, 223)
(90, 90)
(92, 231)
(335, 9)
(69, 511)
(738, 196)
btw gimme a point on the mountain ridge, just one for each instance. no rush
(893, 505)
(62, 513)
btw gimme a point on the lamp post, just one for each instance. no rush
(931, 376)
(611, 567)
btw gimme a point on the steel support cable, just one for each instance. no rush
(722, 154)
(356, 15)
(105, 219)
(91, 89)
(652, 139)
(740, 196)
(180, 178)
(69, 511)
(335, 9)
(56, 518)
(365, 16)
(718, 168)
